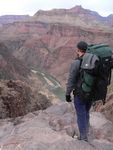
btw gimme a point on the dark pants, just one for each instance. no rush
(82, 110)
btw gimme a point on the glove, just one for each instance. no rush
(68, 98)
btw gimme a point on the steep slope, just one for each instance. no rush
(21, 91)
(106, 109)
(11, 67)
(54, 45)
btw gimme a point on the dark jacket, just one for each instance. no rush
(73, 76)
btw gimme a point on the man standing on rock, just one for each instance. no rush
(82, 108)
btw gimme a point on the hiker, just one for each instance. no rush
(82, 108)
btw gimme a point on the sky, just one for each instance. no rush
(30, 7)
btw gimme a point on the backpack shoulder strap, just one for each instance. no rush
(89, 61)
(80, 59)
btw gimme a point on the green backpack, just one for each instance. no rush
(95, 73)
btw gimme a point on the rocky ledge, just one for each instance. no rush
(52, 129)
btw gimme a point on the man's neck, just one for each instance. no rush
(81, 54)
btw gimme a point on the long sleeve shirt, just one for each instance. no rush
(73, 75)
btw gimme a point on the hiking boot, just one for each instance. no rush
(81, 138)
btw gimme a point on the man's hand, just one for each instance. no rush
(68, 98)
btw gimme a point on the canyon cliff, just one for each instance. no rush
(48, 39)
(39, 50)
(74, 16)
(6, 19)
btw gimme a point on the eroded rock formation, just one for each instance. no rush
(52, 129)
(17, 99)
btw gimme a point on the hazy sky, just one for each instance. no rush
(19, 7)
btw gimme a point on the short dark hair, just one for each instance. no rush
(82, 46)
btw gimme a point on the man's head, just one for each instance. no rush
(81, 48)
